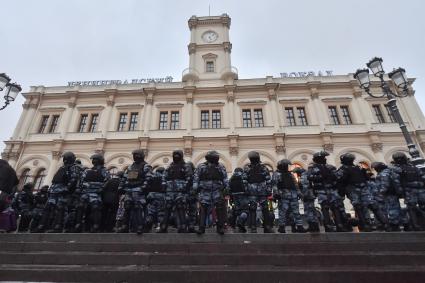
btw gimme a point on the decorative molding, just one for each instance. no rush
(189, 98)
(169, 105)
(188, 151)
(71, 104)
(328, 147)
(280, 148)
(210, 104)
(110, 102)
(56, 154)
(52, 109)
(376, 147)
(234, 150)
(227, 46)
(191, 48)
(337, 99)
(100, 151)
(90, 107)
(29, 105)
(209, 56)
(252, 102)
(129, 106)
(293, 101)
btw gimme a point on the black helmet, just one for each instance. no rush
(400, 157)
(44, 188)
(120, 174)
(68, 157)
(254, 157)
(238, 170)
(320, 157)
(138, 155)
(97, 159)
(298, 170)
(177, 155)
(28, 187)
(283, 164)
(191, 165)
(160, 170)
(212, 156)
(347, 158)
(378, 166)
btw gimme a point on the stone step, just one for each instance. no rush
(211, 247)
(149, 259)
(213, 273)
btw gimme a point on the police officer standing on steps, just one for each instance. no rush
(239, 198)
(286, 191)
(308, 199)
(259, 189)
(110, 200)
(210, 180)
(354, 181)
(135, 199)
(40, 199)
(411, 180)
(192, 201)
(23, 204)
(64, 182)
(176, 178)
(155, 189)
(91, 186)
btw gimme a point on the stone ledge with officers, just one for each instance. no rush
(141, 199)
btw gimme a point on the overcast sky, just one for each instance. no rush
(52, 42)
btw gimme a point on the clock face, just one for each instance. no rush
(210, 36)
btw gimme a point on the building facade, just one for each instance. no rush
(211, 108)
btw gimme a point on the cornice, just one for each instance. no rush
(210, 104)
(90, 107)
(169, 105)
(129, 106)
(252, 102)
(52, 109)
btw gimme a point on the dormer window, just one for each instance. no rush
(209, 67)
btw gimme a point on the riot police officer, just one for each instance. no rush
(286, 191)
(64, 182)
(110, 200)
(132, 183)
(40, 199)
(91, 186)
(176, 178)
(155, 189)
(411, 180)
(192, 201)
(210, 180)
(354, 182)
(239, 198)
(321, 178)
(308, 199)
(23, 204)
(259, 189)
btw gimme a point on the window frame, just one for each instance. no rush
(133, 123)
(94, 121)
(333, 115)
(43, 124)
(122, 121)
(378, 113)
(53, 123)
(82, 123)
(345, 113)
(290, 116)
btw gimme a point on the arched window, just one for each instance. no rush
(25, 178)
(113, 172)
(39, 179)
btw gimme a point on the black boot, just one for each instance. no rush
(202, 220)
(181, 220)
(253, 221)
(163, 227)
(313, 227)
(300, 229)
(327, 219)
(363, 225)
(221, 215)
(267, 222)
(281, 229)
(58, 222)
(413, 219)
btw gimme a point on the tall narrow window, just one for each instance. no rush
(174, 120)
(333, 114)
(93, 122)
(39, 179)
(378, 113)
(205, 117)
(83, 123)
(246, 118)
(209, 66)
(25, 178)
(216, 119)
(43, 123)
(54, 123)
(163, 120)
(302, 118)
(133, 121)
(122, 122)
(290, 118)
(346, 115)
(390, 114)
(258, 118)
(113, 171)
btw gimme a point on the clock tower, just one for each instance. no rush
(209, 50)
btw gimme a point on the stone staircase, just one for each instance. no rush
(313, 258)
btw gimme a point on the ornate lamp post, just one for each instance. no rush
(398, 76)
(12, 89)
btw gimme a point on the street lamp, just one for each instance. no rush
(398, 77)
(12, 89)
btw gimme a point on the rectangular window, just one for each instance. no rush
(333, 114)
(174, 120)
(346, 115)
(390, 114)
(258, 118)
(378, 113)
(209, 67)
(43, 124)
(246, 118)
(290, 118)
(216, 119)
(54, 123)
(205, 119)
(83, 123)
(93, 123)
(302, 118)
(122, 122)
(163, 120)
(133, 121)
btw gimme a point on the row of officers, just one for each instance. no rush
(88, 199)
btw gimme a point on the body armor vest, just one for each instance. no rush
(155, 185)
(286, 182)
(409, 174)
(211, 173)
(177, 171)
(61, 176)
(256, 174)
(93, 175)
(355, 175)
(236, 184)
(136, 173)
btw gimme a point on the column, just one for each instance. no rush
(107, 112)
(318, 106)
(29, 120)
(68, 127)
(56, 155)
(189, 108)
(271, 88)
(148, 109)
(231, 106)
